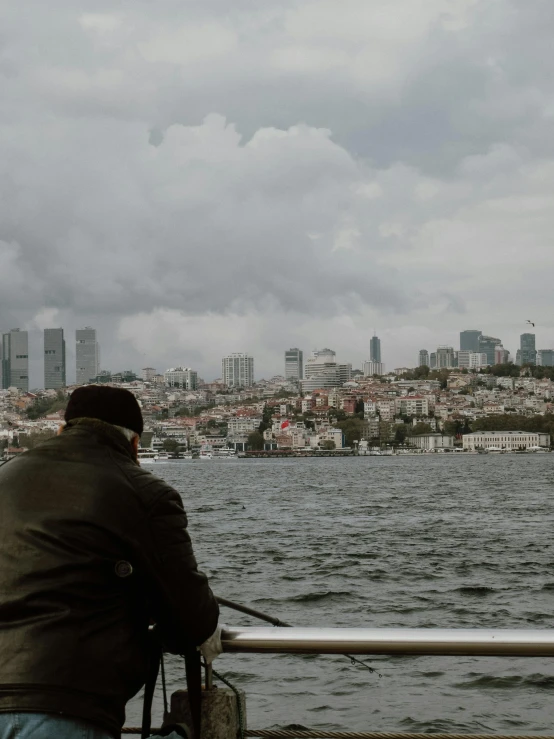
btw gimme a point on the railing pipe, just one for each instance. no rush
(478, 642)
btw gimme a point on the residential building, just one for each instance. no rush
(183, 377)
(487, 345)
(501, 355)
(471, 360)
(445, 357)
(423, 360)
(87, 355)
(15, 360)
(412, 405)
(148, 374)
(237, 370)
(242, 425)
(469, 340)
(526, 354)
(505, 440)
(370, 368)
(54, 359)
(545, 358)
(294, 365)
(375, 349)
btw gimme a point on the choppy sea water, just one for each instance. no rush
(434, 541)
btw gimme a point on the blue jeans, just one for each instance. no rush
(47, 726)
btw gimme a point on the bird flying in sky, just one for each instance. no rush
(531, 322)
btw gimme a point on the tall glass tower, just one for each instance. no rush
(375, 349)
(469, 340)
(294, 365)
(87, 355)
(54, 359)
(15, 360)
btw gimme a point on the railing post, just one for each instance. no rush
(220, 712)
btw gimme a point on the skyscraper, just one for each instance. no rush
(526, 353)
(423, 358)
(294, 365)
(54, 359)
(487, 345)
(15, 360)
(469, 340)
(375, 349)
(87, 355)
(445, 357)
(237, 370)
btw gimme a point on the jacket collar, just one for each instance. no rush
(107, 433)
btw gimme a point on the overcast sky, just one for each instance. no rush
(197, 178)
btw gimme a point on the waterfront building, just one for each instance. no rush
(469, 340)
(445, 357)
(294, 365)
(15, 360)
(183, 377)
(87, 355)
(487, 345)
(471, 360)
(54, 359)
(501, 355)
(375, 349)
(370, 368)
(526, 354)
(237, 370)
(545, 357)
(508, 440)
(148, 374)
(423, 360)
(431, 442)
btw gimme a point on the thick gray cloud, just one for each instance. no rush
(194, 179)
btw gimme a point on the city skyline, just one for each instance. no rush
(269, 363)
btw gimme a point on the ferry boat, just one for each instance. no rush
(149, 456)
(206, 452)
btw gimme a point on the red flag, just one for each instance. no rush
(285, 424)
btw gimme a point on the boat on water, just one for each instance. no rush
(150, 456)
(206, 452)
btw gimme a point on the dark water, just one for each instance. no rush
(438, 541)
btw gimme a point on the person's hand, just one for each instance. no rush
(212, 648)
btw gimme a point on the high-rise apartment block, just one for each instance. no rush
(370, 368)
(148, 374)
(87, 355)
(182, 377)
(54, 359)
(526, 354)
(237, 370)
(423, 360)
(375, 349)
(501, 355)
(15, 360)
(469, 340)
(445, 357)
(294, 365)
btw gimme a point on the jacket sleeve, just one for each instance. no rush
(183, 605)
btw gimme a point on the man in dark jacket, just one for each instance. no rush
(92, 550)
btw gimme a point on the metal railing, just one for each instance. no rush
(448, 642)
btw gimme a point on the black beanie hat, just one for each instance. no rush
(110, 404)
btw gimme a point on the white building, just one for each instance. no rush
(240, 425)
(370, 368)
(505, 440)
(472, 360)
(430, 442)
(87, 355)
(322, 371)
(237, 370)
(183, 377)
(148, 374)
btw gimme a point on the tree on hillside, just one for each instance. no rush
(352, 427)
